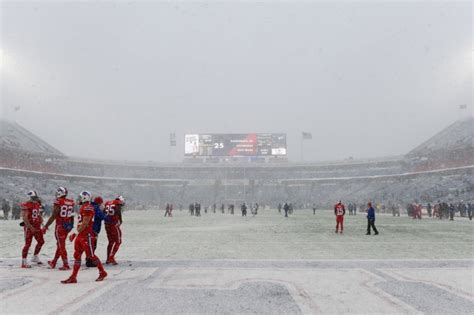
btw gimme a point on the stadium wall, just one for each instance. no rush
(446, 184)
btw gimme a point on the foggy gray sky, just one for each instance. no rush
(105, 80)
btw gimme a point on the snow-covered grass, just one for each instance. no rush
(224, 264)
(269, 235)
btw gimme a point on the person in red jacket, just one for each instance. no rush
(84, 240)
(32, 219)
(113, 211)
(63, 214)
(417, 210)
(339, 212)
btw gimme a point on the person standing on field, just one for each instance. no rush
(339, 212)
(286, 207)
(243, 208)
(32, 219)
(428, 208)
(371, 219)
(5, 208)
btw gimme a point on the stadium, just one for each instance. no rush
(438, 169)
(222, 263)
(236, 157)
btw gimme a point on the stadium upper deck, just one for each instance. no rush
(439, 173)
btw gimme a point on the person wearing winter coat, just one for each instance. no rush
(371, 219)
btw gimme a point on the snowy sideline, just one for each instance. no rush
(220, 263)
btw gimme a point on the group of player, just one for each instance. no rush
(89, 220)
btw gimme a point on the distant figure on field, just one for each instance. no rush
(6, 209)
(197, 209)
(243, 208)
(339, 212)
(169, 210)
(428, 208)
(371, 219)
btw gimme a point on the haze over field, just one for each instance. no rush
(112, 80)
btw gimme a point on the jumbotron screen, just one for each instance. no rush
(250, 144)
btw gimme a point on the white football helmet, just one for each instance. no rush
(32, 195)
(122, 200)
(61, 192)
(84, 197)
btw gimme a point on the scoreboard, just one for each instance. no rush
(249, 144)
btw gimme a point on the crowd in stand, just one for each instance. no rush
(29, 161)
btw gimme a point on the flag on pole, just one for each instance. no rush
(307, 135)
(172, 139)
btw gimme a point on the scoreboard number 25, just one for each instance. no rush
(218, 145)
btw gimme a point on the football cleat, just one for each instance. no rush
(69, 280)
(65, 267)
(36, 260)
(25, 265)
(51, 264)
(111, 261)
(102, 276)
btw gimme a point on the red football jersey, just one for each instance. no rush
(112, 210)
(33, 212)
(66, 210)
(87, 210)
(339, 209)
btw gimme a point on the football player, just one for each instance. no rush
(99, 216)
(63, 214)
(339, 212)
(113, 210)
(32, 219)
(84, 240)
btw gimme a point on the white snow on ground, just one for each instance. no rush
(149, 235)
(220, 263)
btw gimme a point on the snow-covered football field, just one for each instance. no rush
(219, 263)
